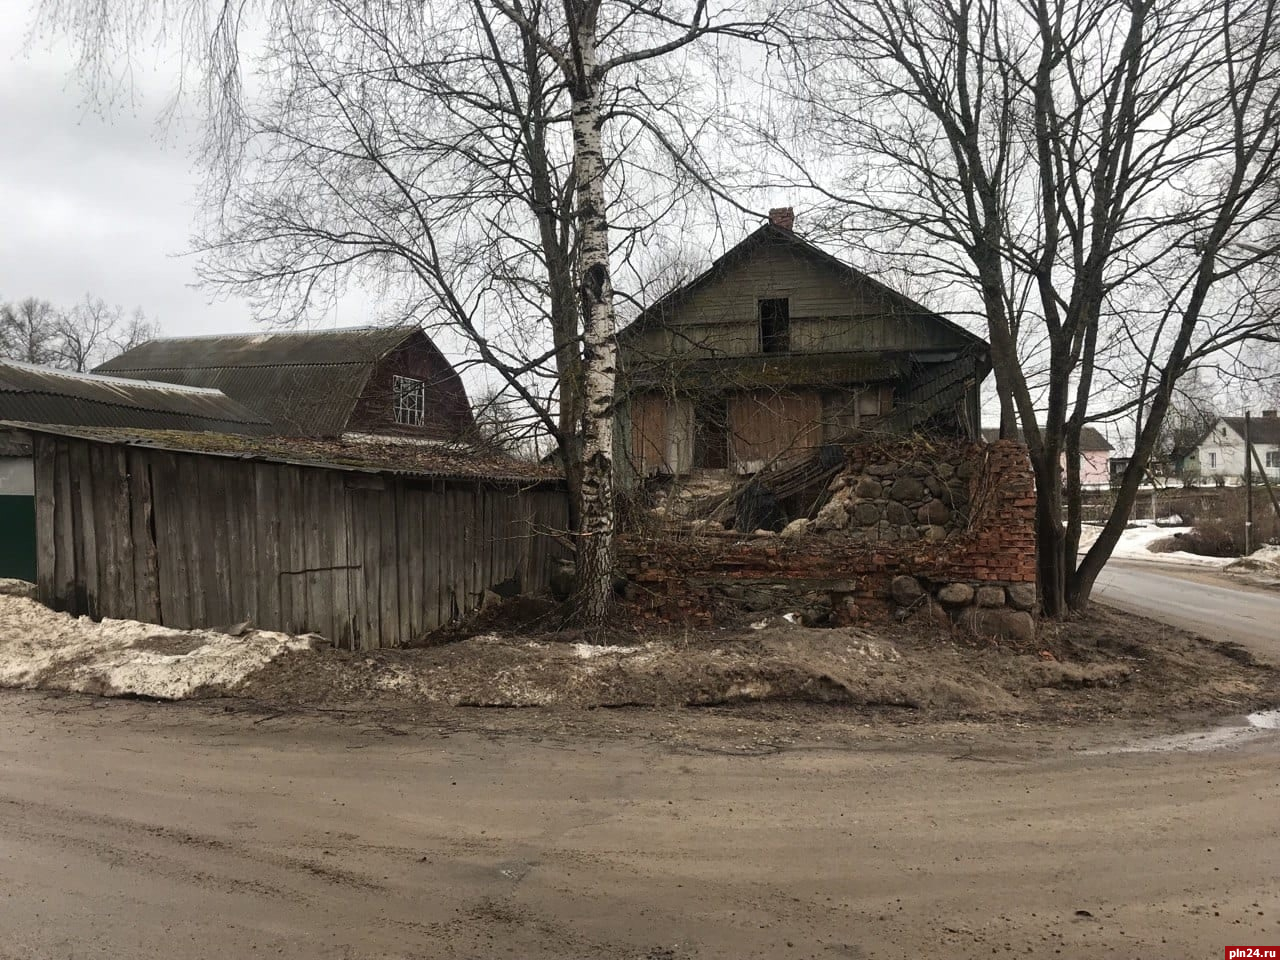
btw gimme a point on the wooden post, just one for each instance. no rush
(1248, 488)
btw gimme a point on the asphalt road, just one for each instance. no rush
(180, 832)
(1202, 602)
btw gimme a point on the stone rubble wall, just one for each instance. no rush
(971, 567)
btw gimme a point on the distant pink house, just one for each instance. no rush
(1095, 455)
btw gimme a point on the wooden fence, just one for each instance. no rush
(193, 540)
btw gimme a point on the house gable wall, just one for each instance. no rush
(829, 312)
(1221, 454)
(446, 410)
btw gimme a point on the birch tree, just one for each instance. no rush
(465, 157)
(1097, 178)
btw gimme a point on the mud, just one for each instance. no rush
(184, 832)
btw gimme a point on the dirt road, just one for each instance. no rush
(180, 831)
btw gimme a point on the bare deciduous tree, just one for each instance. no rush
(490, 161)
(1097, 177)
(78, 338)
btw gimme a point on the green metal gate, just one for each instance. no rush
(18, 537)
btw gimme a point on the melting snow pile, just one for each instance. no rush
(40, 648)
(1263, 560)
(1135, 544)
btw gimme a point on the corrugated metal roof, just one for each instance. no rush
(1090, 439)
(306, 382)
(438, 460)
(37, 394)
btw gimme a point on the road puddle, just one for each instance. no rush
(1257, 727)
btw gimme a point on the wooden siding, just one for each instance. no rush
(366, 560)
(766, 427)
(828, 313)
(447, 412)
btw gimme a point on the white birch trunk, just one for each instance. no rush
(596, 553)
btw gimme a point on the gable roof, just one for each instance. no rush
(1261, 429)
(47, 395)
(1091, 440)
(770, 233)
(305, 382)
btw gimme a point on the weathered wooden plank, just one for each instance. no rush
(388, 553)
(357, 582)
(340, 603)
(82, 482)
(371, 519)
(176, 587)
(45, 476)
(146, 575)
(242, 509)
(430, 503)
(266, 546)
(65, 535)
(125, 547)
(293, 587)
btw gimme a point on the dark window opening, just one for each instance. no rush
(711, 435)
(775, 325)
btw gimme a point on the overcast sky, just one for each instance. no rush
(99, 202)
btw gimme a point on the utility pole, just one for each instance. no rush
(1248, 488)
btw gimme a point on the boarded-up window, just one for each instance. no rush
(769, 428)
(859, 408)
(775, 325)
(711, 434)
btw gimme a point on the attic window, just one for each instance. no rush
(410, 400)
(775, 325)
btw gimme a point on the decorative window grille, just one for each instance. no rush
(410, 400)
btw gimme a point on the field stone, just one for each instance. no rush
(944, 470)
(1022, 596)
(905, 590)
(796, 528)
(956, 594)
(868, 488)
(832, 517)
(907, 489)
(839, 483)
(935, 533)
(967, 470)
(935, 512)
(908, 532)
(866, 514)
(998, 622)
(990, 596)
(886, 531)
(895, 512)
(882, 469)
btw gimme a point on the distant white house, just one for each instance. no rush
(1221, 452)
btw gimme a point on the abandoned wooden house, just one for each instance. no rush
(38, 394)
(384, 381)
(366, 543)
(779, 348)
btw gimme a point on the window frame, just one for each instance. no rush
(774, 325)
(1273, 459)
(408, 401)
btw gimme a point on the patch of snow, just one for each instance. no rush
(589, 651)
(791, 617)
(1263, 560)
(1135, 544)
(1265, 719)
(40, 648)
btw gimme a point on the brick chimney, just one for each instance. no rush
(784, 218)
(1269, 414)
